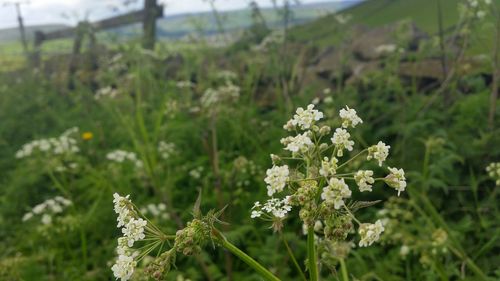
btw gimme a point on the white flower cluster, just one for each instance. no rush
(133, 230)
(156, 210)
(364, 179)
(349, 117)
(477, 8)
(226, 75)
(386, 49)
(300, 143)
(62, 145)
(304, 118)
(121, 156)
(166, 149)
(274, 207)
(196, 173)
(47, 209)
(380, 151)
(341, 140)
(335, 192)
(328, 167)
(228, 92)
(106, 92)
(275, 38)
(317, 181)
(186, 84)
(396, 179)
(493, 170)
(276, 179)
(370, 232)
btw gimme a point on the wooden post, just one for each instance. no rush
(39, 37)
(77, 46)
(21, 28)
(149, 24)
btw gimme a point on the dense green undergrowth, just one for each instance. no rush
(179, 144)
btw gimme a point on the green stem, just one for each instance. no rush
(294, 260)
(266, 274)
(343, 269)
(311, 255)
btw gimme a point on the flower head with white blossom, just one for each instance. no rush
(380, 151)
(304, 119)
(311, 179)
(370, 233)
(364, 180)
(276, 179)
(349, 117)
(493, 170)
(341, 141)
(396, 179)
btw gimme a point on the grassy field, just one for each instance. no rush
(424, 13)
(244, 163)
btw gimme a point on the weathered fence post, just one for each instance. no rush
(35, 57)
(77, 46)
(149, 24)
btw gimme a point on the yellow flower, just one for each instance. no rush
(87, 136)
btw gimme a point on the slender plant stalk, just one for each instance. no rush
(343, 269)
(294, 260)
(311, 255)
(266, 274)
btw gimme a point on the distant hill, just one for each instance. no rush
(373, 13)
(177, 26)
(12, 34)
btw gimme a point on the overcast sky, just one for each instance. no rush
(71, 11)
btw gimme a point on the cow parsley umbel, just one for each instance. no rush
(316, 179)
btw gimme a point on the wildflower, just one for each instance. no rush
(404, 251)
(186, 84)
(364, 179)
(439, 237)
(274, 206)
(124, 267)
(493, 170)
(349, 117)
(396, 179)
(134, 230)
(27, 216)
(370, 233)
(87, 136)
(121, 156)
(122, 209)
(335, 192)
(227, 92)
(299, 143)
(196, 173)
(123, 248)
(304, 119)
(276, 179)
(48, 209)
(46, 219)
(157, 211)
(385, 49)
(62, 145)
(380, 151)
(166, 150)
(106, 92)
(328, 167)
(341, 140)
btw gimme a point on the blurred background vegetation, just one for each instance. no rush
(422, 74)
